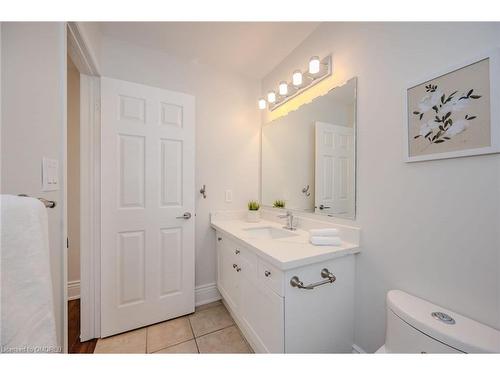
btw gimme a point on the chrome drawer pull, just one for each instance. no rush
(236, 251)
(325, 274)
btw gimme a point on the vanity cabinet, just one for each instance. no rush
(258, 311)
(278, 318)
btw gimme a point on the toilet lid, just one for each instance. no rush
(462, 333)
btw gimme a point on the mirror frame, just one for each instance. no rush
(315, 214)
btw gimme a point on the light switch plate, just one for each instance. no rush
(50, 174)
(229, 196)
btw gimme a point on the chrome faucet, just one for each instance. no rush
(289, 222)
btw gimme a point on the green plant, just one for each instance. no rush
(253, 205)
(279, 203)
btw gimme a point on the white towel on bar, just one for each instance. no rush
(326, 232)
(27, 317)
(325, 241)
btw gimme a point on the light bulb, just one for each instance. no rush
(297, 78)
(262, 103)
(314, 64)
(283, 88)
(271, 97)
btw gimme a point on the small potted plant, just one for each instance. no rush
(253, 215)
(279, 203)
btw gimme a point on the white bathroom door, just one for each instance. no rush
(147, 218)
(334, 168)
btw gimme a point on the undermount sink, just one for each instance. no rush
(269, 233)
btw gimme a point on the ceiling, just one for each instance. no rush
(249, 48)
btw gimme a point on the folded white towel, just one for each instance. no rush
(325, 241)
(28, 317)
(326, 232)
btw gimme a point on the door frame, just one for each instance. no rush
(90, 182)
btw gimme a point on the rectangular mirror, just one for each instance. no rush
(309, 156)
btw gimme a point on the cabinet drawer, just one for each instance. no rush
(247, 260)
(271, 276)
(241, 257)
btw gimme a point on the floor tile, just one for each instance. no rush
(188, 347)
(227, 340)
(171, 332)
(208, 306)
(210, 320)
(129, 342)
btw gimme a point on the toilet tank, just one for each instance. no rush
(418, 326)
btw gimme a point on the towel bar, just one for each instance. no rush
(325, 274)
(46, 202)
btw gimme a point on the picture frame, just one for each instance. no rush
(447, 116)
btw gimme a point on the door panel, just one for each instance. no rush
(131, 282)
(147, 155)
(335, 165)
(171, 172)
(132, 170)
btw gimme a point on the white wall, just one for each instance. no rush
(73, 177)
(429, 228)
(33, 115)
(227, 131)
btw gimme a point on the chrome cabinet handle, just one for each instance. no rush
(236, 251)
(185, 216)
(219, 238)
(322, 207)
(267, 273)
(325, 274)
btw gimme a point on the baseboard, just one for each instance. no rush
(357, 349)
(203, 294)
(207, 293)
(73, 290)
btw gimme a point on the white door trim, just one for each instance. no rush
(90, 175)
(90, 208)
(79, 51)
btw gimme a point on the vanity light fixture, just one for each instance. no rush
(297, 78)
(318, 69)
(262, 103)
(283, 88)
(314, 65)
(271, 97)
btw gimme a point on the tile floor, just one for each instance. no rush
(210, 329)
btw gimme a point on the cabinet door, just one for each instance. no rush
(263, 314)
(228, 280)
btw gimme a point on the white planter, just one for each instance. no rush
(253, 216)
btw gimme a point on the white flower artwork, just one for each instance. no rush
(451, 114)
(447, 111)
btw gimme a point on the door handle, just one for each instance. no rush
(185, 216)
(322, 207)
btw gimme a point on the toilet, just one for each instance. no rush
(418, 326)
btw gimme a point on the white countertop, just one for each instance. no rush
(284, 253)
